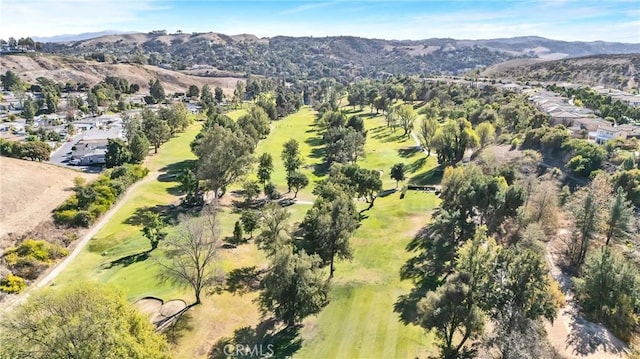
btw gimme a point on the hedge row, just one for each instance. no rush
(91, 201)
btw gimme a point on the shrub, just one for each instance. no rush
(64, 216)
(83, 219)
(12, 284)
(37, 250)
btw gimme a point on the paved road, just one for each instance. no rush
(53, 272)
(60, 156)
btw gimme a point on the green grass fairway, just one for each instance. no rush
(359, 321)
(117, 239)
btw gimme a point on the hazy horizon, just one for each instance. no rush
(568, 20)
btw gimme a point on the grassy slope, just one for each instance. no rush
(118, 239)
(359, 321)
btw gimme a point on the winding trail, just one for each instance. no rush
(571, 334)
(54, 271)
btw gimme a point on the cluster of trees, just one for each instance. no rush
(91, 200)
(463, 277)
(344, 138)
(33, 150)
(25, 42)
(225, 149)
(605, 106)
(107, 93)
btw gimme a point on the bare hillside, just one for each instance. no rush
(29, 191)
(613, 71)
(63, 69)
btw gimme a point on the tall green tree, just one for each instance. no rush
(328, 226)
(294, 287)
(218, 95)
(193, 92)
(265, 168)
(206, 97)
(223, 157)
(82, 320)
(139, 147)
(250, 221)
(427, 131)
(274, 220)
(117, 153)
(153, 228)
(451, 310)
(486, 133)
(587, 209)
(618, 219)
(452, 140)
(296, 182)
(291, 157)
(398, 173)
(406, 117)
(609, 291)
(156, 91)
(155, 129)
(189, 183)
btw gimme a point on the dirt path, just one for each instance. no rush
(418, 143)
(571, 334)
(53, 272)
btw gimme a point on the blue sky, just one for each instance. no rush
(586, 20)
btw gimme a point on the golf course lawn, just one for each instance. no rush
(359, 320)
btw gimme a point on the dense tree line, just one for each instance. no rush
(33, 150)
(463, 276)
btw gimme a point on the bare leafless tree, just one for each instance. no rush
(192, 252)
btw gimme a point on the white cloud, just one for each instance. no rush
(54, 17)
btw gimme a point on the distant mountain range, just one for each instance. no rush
(78, 37)
(341, 57)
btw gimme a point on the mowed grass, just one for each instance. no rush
(119, 239)
(359, 320)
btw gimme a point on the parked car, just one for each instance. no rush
(74, 162)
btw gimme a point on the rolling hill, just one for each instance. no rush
(620, 71)
(64, 68)
(342, 57)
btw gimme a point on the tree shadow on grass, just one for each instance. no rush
(182, 326)
(408, 151)
(415, 269)
(127, 260)
(171, 172)
(386, 138)
(244, 280)
(416, 165)
(430, 177)
(320, 169)
(169, 214)
(264, 340)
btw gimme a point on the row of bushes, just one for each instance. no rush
(34, 150)
(91, 201)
